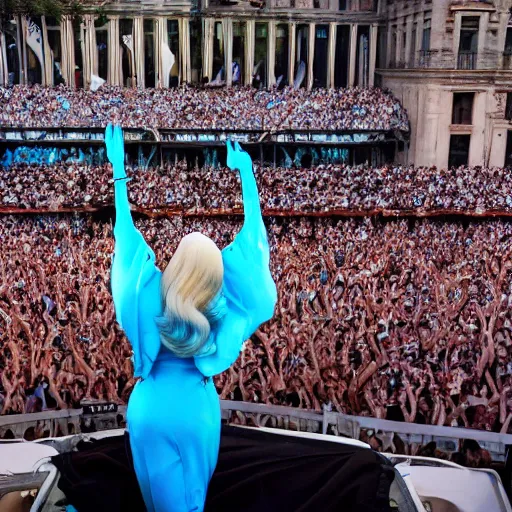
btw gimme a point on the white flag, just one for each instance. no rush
(127, 40)
(301, 74)
(35, 41)
(167, 63)
(235, 72)
(96, 82)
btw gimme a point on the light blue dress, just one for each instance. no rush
(174, 411)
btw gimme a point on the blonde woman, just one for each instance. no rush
(185, 325)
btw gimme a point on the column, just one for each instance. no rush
(67, 42)
(311, 55)
(352, 59)
(114, 52)
(4, 72)
(160, 35)
(48, 66)
(271, 53)
(185, 57)
(227, 34)
(208, 28)
(90, 66)
(389, 40)
(502, 36)
(399, 43)
(250, 42)
(419, 40)
(24, 48)
(482, 38)
(374, 33)
(138, 50)
(456, 37)
(408, 42)
(331, 53)
(292, 44)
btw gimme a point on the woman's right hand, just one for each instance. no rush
(114, 141)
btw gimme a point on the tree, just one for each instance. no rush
(51, 8)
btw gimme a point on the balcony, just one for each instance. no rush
(425, 58)
(466, 60)
(507, 60)
(347, 6)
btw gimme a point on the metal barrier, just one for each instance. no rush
(73, 421)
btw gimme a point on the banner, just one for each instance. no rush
(96, 82)
(168, 60)
(128, 41)
(236, 72)
(34, 39)
(301, 74)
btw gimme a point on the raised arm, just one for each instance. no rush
(125, 233)
(248, 287)
(134, 290)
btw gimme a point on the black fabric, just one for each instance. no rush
(99, 477)
(256, 472)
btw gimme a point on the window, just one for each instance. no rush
(260, 55)
(239, 30)
(79, 51)
(53, 31)
(425, 54)
(508, 42)
(459, 150)
(196, 48)
(127, 57)
(468, 44)
(425, 40)
(508, 108)
(462, 111)
(173, 41)
(342, 56)
(149, 54)
(13, 61)
(102, 48)
(301, 61)
(218, 52)
(282, 54)
(508, 153)
(342, 5)
(321, 57)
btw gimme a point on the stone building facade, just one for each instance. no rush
(336, 40)
(448, 61)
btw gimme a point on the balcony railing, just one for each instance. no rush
(425, 58)
(507, 59)
(466, 60)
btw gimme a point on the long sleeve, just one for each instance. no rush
(248, 287)
(135, 278)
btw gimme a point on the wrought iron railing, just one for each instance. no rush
(466, 60)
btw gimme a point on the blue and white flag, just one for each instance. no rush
(34, 39)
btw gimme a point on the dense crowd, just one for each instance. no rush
(395, 320)
(202, 108)
(324, 188)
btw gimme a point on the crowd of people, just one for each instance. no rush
(187, 107)
(406, 320)
(321, 189)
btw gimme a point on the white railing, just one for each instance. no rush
(287, 418)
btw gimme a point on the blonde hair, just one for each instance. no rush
(190, 290)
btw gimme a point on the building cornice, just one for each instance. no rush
(185, 7)
(472, 6)
(501, 78)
